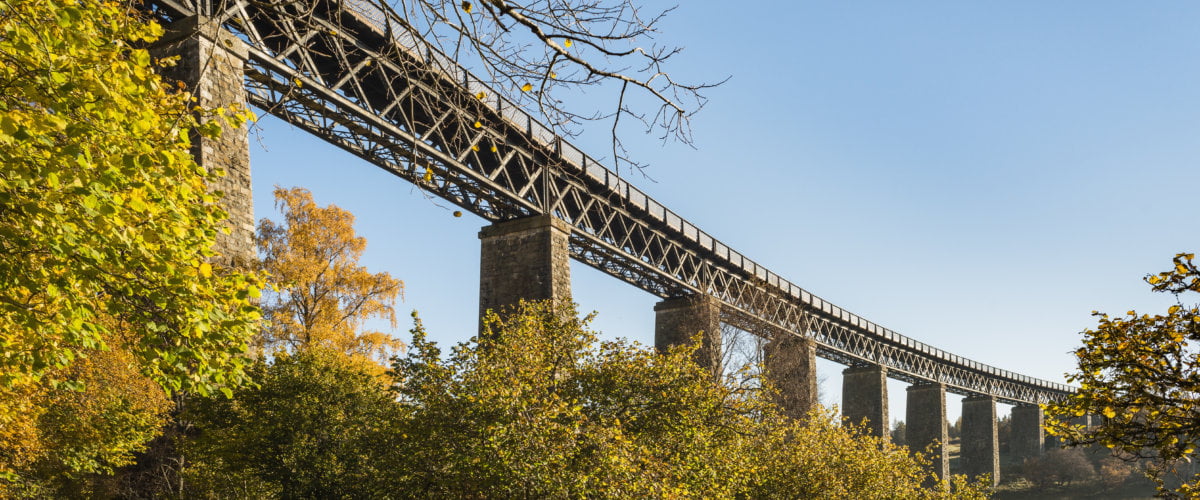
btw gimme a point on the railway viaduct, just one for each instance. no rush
(347, 72)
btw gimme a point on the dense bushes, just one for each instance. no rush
(535, 407)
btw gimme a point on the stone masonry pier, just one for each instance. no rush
(791, 364)
(524, 259)
(1028, 438)
(926, 430)
(211, 66)
(864, 396)
(980, 444)
(677, 320)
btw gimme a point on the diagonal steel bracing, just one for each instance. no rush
(348, 72)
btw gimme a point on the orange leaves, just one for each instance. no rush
(324, 296)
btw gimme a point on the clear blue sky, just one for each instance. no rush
(977, 175)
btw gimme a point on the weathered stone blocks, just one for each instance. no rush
(525, 259)
(211, 66)
(677, 320)
(791, 364)
(925, 425)
(864, 395)
(980, 444)
(1028, 436)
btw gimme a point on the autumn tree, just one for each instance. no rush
(321, 296)
(531, 409)
(1113, 472)
(106, 238)
(537, 407)
(1141, 374)
(68, 440)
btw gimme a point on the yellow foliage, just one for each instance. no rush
(104, 307)
(63, 433)
(103, 218)
(1142, 374)
(322, 296)
(536, 407)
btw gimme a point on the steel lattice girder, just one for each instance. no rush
(348, 74)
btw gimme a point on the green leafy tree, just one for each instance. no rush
(823, 458)
(899, 432)
(316, 425)
(106, 228)
(1141, 374)
(536, 407)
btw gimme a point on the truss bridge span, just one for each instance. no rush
(349, 73)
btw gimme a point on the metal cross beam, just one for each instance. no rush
(349, 73)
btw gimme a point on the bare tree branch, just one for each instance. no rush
(562, 46)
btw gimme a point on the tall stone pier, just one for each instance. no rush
(791, 364)
(677, 320)
(926, 430)
(524, 259)
(211, 66)
(980, 448)
(1028, 437)
(864, 395)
